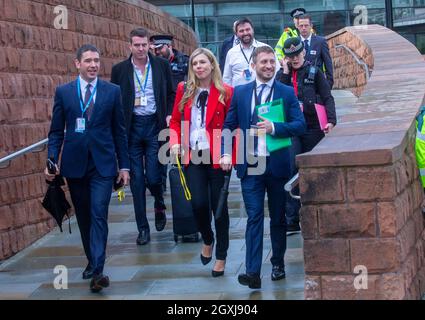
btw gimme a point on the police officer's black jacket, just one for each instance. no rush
(179, 68)
(311, 92)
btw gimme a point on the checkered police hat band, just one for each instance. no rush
(293, 48)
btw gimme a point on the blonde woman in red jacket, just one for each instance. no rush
(202, 104)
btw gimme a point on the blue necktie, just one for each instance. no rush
(306, 46)
(86, 100)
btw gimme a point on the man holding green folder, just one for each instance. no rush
(268, 107)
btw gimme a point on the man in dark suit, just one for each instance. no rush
(316, 48)
(91, 112)
(228, 44)
(148, 97)
(276, 170)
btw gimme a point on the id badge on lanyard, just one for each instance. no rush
(142, 100)
(80, 125)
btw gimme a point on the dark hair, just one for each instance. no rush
(85, 48)
(262, 49)
(305, 16)
(138, 32)
(243, 21)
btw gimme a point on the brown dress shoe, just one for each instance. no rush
(99, 282)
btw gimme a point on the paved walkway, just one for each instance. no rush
(162, 269)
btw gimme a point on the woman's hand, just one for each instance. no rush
(328, 128)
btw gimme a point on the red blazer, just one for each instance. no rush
(216, 114)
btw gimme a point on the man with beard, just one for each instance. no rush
(178, 61)
(237, 68)
(254, 181)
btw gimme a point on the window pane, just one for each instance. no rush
(248, 7)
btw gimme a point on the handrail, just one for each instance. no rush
(291, 184)
(5, 162)
(359, 62)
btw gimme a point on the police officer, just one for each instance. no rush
(311, 87)
(289, 32)
(179, 62)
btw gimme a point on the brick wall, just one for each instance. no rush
(34, 59)
(348, 73)
(360, 187)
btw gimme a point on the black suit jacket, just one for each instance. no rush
(225, 47)
(123, 75)
(319, 53)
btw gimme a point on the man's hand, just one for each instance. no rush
(265, 125)
(226, 162)
(124, 176)
(167, 119)
(328, 128)
(50, 176)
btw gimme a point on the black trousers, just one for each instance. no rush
(205, 184)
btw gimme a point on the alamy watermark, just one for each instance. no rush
(360, 281)
(61, 280)
(61, 19)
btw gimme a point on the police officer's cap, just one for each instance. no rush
(296, 13)
(159, 40)
(293, 46)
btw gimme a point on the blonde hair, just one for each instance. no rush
(192, 83)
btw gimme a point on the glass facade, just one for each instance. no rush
(214, 19)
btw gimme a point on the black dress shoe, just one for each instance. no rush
(278, 272)
(293, 229)
(253, 281)
(99, 282)
(143, 238)
(160, 219)
(88, 272)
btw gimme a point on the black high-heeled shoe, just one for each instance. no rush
(216, 274)
(206, 260)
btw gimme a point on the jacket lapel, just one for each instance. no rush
(130, 79)
(248, 110)
(75, 95)
(100, 95)
(155, 79)
(212, 104)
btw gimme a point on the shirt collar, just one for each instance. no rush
(134, 65)
(268, 83)
(84, 83)
(309, 38)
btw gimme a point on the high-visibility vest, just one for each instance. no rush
(420, 144)
(287, 33)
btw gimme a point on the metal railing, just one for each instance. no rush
(36, 147)
(291, 184)
(358, 60)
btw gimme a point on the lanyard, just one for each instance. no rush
(82, 106)
(246, 59)
(257, 100)
(144, 79)
(295, 82)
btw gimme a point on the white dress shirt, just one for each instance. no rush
(198, 134)
(262, 147)
(83, 87)
(151, 106)
(236, 64)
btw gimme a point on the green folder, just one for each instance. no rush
(274, 112)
